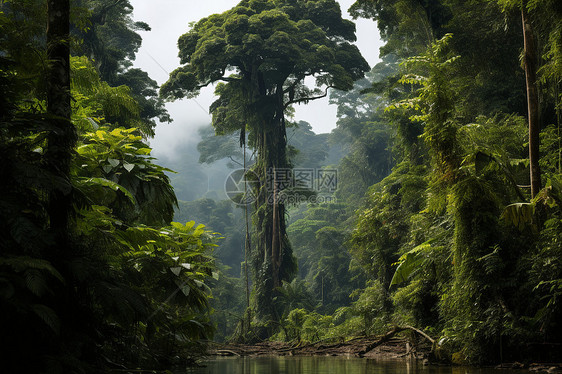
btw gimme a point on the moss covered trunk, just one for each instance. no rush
(272, 260)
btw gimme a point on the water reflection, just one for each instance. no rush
(329, 365)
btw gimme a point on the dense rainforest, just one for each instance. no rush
(434, 203)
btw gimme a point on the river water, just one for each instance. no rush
(330, 365)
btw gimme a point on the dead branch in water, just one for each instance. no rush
(386, 337)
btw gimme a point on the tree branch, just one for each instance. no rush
(224, 79)
(307, 99)
(221, 78)
(294, 84)
(236, 162)
(229, 79)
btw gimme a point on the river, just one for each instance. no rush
(329, 365)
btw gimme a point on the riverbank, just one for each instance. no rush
(366, 346)
(371, 347)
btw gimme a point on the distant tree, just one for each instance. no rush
(214, 148)
(110, 37)
(306, 149)
(111, 40)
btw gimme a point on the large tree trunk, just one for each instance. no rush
(58, 54)
(272, 261)
(530, 61)
(60, 144)
(62, 138)
(271, 243)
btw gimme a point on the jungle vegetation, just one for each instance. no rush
(446, 215)
(94, 274)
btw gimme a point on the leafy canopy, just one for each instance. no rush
(283, 41)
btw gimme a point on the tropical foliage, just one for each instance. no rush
(94, 275)
(446, 215)
(438, 222)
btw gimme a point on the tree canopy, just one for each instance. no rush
(283, 41)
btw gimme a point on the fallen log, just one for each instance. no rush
(227, 352)
(293, 348)
(386, 337)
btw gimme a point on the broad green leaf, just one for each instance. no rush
(412, 260)
(185, 289)
(519, 215)
(128, 166)
(113, 162)
(107, 183)
(100, 134)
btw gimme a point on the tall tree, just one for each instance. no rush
(530, 63)
(260, 52)
(531, 10)
(62, 140)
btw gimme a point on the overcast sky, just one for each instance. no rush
(158, 56)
